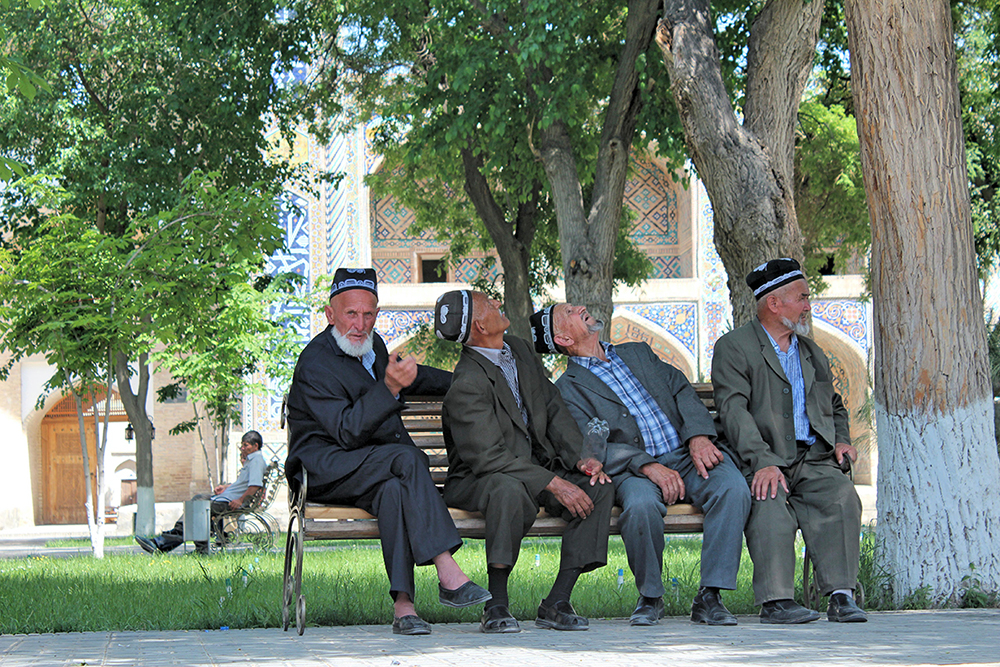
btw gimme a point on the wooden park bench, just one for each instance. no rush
(422, 418)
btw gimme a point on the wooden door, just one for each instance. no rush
(64, 486)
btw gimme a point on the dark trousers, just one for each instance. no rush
(510, 510)
(394, 485)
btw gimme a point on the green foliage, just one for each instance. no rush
(829, 191)
(875, 580)
(432, 350)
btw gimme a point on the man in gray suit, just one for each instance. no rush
(513, 447)
(661, 449)
(780, 412)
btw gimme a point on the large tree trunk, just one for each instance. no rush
(512, 240)
(939, 475)
(587, 238)
(747, 170)
(135, 406)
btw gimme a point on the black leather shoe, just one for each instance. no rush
(466, 595)
(843, 609)
(786, 612)
(410, 625)
(648, 611)
(497, 620)
(707, 608)
(148, 545)
(560, 616)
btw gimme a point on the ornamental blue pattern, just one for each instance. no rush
(658, 434)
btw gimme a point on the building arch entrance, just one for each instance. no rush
(63, 481)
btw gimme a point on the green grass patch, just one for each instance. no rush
(344, 584)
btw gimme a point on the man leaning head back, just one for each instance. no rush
(470, 318)
(352, 310)
(567, 329)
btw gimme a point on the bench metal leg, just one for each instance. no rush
(294, 547)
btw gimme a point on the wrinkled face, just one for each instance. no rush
(487, 314)
(352, 314)
(793, 305)
(573, 323)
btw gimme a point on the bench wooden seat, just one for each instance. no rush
(422, 418)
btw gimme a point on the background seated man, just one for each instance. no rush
(514, 447)
(779, 411)
(225, 497)
(661, 449)
(345, 429)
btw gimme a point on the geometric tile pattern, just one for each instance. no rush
(623, 331)
(653, 199)
(717, 309)
(391, 270)
(680, 319)
(665, 267)
(391, 222)
(468, 270)
(393, 325)
(847, 316)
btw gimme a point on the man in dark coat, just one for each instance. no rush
(345, 431)
(789, 427)
(513, 447)
(661, 449)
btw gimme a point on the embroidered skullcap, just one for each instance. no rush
(453, 316)
(347, 279)
(541, 331)
(771, 275)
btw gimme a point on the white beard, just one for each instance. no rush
(351, 349)
(596, 327)
(798, 328)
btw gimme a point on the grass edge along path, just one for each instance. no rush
(344, 584)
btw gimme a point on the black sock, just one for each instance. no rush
(562, 587)
(497, 585)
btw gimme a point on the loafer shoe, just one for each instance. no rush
(148, 545)
(786, 612)
(560, 616)
(497, 620)
(648, 611)
(843, 609)
(410, 625)
(466, 595)
(707, 608)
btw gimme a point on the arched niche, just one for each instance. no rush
(628, 327)
(851, 381)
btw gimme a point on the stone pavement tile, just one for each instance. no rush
(892, 639)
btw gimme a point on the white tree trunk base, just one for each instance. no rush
(939, 501)
(145, 511)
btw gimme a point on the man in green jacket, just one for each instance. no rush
(789, 427)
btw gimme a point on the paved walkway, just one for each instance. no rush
(968, 637)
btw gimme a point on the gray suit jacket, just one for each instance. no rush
(485, 434)
(587, 396)
(754, 399)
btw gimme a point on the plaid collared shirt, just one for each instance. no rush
(791, 363)
(658, 434)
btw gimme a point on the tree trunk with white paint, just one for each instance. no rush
(939, 474)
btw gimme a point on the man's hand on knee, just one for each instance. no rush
(704, 454)
(765, 483)
(571, 497)
(669, 480)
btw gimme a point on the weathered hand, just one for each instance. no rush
(571, 497)
(400, 373)
(235, 504)
(704, 454)
(669, 480)
(594, 469)
(765, 482)
(843, 448)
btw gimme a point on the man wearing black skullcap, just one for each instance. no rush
(345, 431)
(789, 427)
(513, 447)
(661, 449)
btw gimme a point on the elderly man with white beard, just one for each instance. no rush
(345, 430)
(789, 428)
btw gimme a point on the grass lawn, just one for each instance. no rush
(344, 584)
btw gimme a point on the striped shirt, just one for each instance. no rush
(658, 434)
(792, 365)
